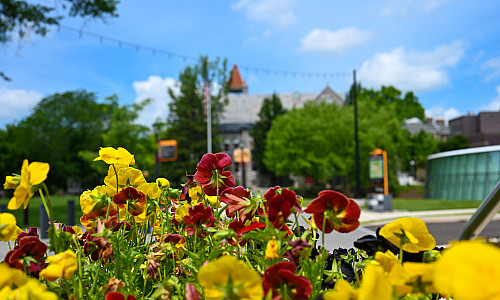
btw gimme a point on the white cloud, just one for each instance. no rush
(157, 89)
(16, 104)
(493, 105)
(410, 70)
(440, 112)
(334, 42)
(278, 13)
(492, 66)
(406, 8)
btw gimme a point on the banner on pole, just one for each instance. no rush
(167, 150)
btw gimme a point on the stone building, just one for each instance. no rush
(482, 129)
(242, 113)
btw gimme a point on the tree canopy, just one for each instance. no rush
(318, 140)
(66, 131)
(271, 108)
(187, 123)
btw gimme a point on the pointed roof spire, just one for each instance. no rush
(237, 85)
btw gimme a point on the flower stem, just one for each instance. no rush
(48, 208)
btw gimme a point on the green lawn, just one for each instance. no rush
(59, 207)
(425, 204)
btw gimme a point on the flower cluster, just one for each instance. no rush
(210, 239)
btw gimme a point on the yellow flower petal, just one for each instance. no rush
(163, 183)
(111, 156)
(412, 232)
(38, 172)
(11, 182)
(7, 226)
(22, 195)
(214, 276)
(469, 270)
(63, 265)
(272, 249)
(375, 285)
(343, 291)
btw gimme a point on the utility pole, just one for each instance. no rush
(355, 99)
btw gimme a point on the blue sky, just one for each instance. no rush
(446, 51)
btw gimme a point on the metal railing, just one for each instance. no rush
(483, 215)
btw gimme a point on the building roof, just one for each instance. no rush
(244, 108)
(414, 126)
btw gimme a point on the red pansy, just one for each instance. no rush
(340, 212)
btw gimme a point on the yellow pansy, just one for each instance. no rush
(62, 265)
(127, 176)
(272, 249)
(111, 156)
(226, 275)
(78, 230)
(8, 226)
(195, 194)
(375, 285)
(11, 182)
(412, 277)
(10, 276)
(152, 190)
(31, 175)
(32, 290)
(88, 199)
(387, 260)
(343, 291)
(181, 212)
(409, 233)
(163, 183)
(469, 270)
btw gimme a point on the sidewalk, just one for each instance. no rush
(371, 217)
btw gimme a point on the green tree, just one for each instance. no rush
(186, 122)
(23, 17)
(318, 141)
(418, 147)
(66, 130)
(271, 108)
(455, 143)
(59, 126)
(407, 107)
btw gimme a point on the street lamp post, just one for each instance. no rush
(156, 128)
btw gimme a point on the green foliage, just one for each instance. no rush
(418, 146)
(318, 141)
(25, 17)
(406, 107)
(66, 130)
(186, 121)
(271, 108)
(455, 143)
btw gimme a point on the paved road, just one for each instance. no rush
(444, 232)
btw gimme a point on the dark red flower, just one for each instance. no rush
(135, 200)
(240, 228)
(341, 213)
(33, 231)
(237, 200)
(298, 250)
(282, 276)
(210, 174)
(198, 216)
(118, 296)
(279, 205)
(28, 253)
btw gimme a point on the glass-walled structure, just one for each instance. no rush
(467, 174)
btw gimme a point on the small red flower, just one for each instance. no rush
(198, 216)
(210, 174)
(237, 202)
(279, 205)
(240, 228)
(341, 213)
(29, 249)
(281, 274)
(135, 200)
(118, 296)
